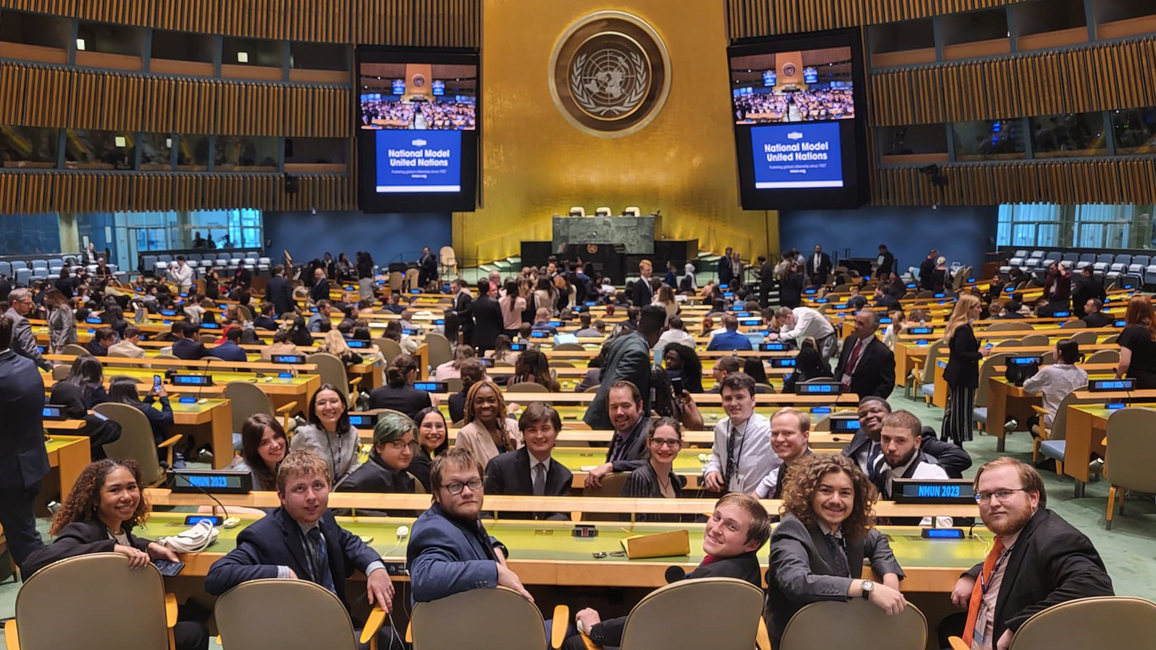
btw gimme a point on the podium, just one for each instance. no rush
(635, 235)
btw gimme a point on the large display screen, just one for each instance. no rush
(417, 122)
(799, 138)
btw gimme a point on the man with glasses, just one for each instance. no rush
(450, 551)
(531, 470)
(23, 341)
(1043, 557)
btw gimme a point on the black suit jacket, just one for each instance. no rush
(641, 293)
(488, 324)
(79, 538)
(791, 289)
(824, 266)
(1098, 319)
(887, 301)
(276, 540)
(875, 372)
(963, 359)
(462, 303)
(320, 291)
(1051, 563)
(189, 349)
(950, 456)
(887, 267)
(726, 270)
(278, 292)
(509, 473)
(926, 269)
(23, 461)
(428, 266)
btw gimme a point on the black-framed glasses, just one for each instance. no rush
(456, 488)
(999, 495)
(672, 443)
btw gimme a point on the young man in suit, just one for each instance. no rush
(736, 530)
(641, 293)
(185, 347)
(900, 439)
(627, 450)
(726, 270)
(23, 461)
(818, 548)
(101, 341)
(530, 470)
(865, 447)
(627, 359)
(127, 346)
(884, 263)
(927, 270)
(1093, 316)
(462, 302)
(819, 266)
(449, 550)
(866, 365)
(790, 433)
(1043, 557)
(487, 317)
(301, 540)
(230, 350)
(279, 292)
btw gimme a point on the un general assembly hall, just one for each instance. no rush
(542, 324)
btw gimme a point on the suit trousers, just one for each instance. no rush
(19, 521)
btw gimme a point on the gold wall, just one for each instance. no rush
(535, 164)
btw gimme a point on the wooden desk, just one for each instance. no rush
(208, 421)
(70, 455)
(1087, 427)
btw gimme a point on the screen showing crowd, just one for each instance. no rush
(796, 86)
(420, 97)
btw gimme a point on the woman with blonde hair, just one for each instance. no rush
(335, 344)
(962, 371)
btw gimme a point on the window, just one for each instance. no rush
(1074, 134)
(156, 151)
(989, 140)
(91, 149)
(1029, 225)
(1135, 130)
(28, 147)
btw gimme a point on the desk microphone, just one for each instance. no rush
(674, 573)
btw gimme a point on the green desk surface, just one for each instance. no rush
(577, 458)
(55, 443)
(552, 541)
(198, 407)
(711, 415)
(1095, 410)
(219, 377)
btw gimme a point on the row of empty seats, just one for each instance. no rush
(25, 272)
(158, 264)
(1120, 266)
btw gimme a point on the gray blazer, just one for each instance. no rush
(802, 570)
(23, 341)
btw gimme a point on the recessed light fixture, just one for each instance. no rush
(242, 57)
(80, 43)
(121, 141)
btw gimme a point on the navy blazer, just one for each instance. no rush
(275, 541)
(445, 557)
(23, 460)
(189, 350)
(509, 473)
(279, 292)
(229, 351)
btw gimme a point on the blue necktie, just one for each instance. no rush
(319, 555)
(835, 545)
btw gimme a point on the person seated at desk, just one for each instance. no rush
(722, 368)
(472, 371)
(809, 364)
(1056, 381)
(124, 391)
(738, 527)
(398, 392)
(128, 346)
(1010, 310)
(856, 301)
(449, 550)
(349, 317)
(186, 347)
(281, 346)
(818, 548)
(1037, 560)
(628, 446)
(533, 367)
(385, 471)
(900, 438)
(531, 471)
(101, 341)
(394, 306)
(502, 352)
(655, 479)
(329, 433)
(452, 369)
(77, 394)
(230, 350)
(263, 447)
(885, 301)
(1093, 315)
(267, 319)
(335, 344)
(98, 516)
(488, 431)
(542, 322)
(730, 339)
(683, 365)
(301, 540)
(741, 455)
(433, 441)
(864, 447)
(393, 331)
(790, 434)
(675, 333)
(1138, 344)
(595, 329)
(319, 321)
(299, 333)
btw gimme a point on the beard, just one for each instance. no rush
(1015, 520)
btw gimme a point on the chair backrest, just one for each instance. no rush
(395, 280)
(1084, 338)
(1131, 451)
(568, 347)
(527, 387)
(1008, 326)
(1112, 339)
(577, 211)
(861, 625)
(732, 606)
(483, 618)
(439, 349)
(284, 614)
(1116, 622)
(454, 384)
(1034, 340)
(331, 369)
(1059, 430)
(933, 355)
(1008, 343)
(1048, 357)
(247, 400)
(632, 211)
(60, 371)
(1103, 356)
(986, 372)
(97, 623)
(611, 486)
(448, 256)
(1073, 325)
(390, 349)
(136, 439)
(74, 349)
(603, 212)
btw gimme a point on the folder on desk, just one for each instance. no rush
(675, 542)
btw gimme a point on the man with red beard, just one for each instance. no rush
(1041, 558)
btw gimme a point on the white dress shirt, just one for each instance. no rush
(181, 275)
(753, 447)
(682, 337)
(808, 324)
(923, 471)
(1056, 381)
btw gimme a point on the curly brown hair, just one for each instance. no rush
(806, 475)
(84, 499)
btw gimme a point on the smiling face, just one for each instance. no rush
(833, 499)
(726, 532)
(432, 431)
(540, 438)
(119, 497)
(624, 411)
(272, 447)
(788, 439)
(664, 443)
(871, 417)
(486, 405)
(738, 403)
(397, 454)
(328, 408)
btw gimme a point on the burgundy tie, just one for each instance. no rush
(851, 361)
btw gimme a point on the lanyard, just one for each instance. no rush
(739, 451)
(983, 585)
(332, 458)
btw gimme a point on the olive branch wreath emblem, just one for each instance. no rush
(584, 98)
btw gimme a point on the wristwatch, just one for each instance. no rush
(867, 586)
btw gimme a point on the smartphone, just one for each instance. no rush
(167, 568)
(676, 384)
(156, 383)
(989, 346)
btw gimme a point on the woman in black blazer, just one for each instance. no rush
(962, 371)
(656, 479)
(98, 516)
(124, 390)
(818, 548)
(432, 441)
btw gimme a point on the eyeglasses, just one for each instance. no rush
(398, 444)
(666, 442)
(998, 495)
(455, 488)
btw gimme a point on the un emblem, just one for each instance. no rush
(609, 74)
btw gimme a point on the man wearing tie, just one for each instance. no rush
(642, 294)
(741, 456)
(428, 268)
(1043, 557)
(864, 447)
(867, 365)
(726, 270)
(530, 470)
(819, 266)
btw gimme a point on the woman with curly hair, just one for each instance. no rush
(489, 429)
(817, 550)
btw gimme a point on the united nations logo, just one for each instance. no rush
(610, 74)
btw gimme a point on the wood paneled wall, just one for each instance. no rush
(1095, 78)
(32, 95)
(32, 193)
(455, 23)
(766, 17)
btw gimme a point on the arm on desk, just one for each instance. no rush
(437, 572)
(242, 564)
